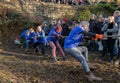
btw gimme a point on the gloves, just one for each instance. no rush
(99, 36)
(59, 36)
(94, 38)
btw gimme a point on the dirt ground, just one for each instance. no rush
(16, 66)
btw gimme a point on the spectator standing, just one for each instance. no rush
(109, 29)
(92, 44)
(117, 45)
(65, 30)
(45, 28)
(99, 25)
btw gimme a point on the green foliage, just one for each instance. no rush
(14, 17)
(97, 9)
(82, 15)
(27, 23)
(17, 19)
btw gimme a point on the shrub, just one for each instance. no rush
(17, 19)
(105, 9)
(82, 15)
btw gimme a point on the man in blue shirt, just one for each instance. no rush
(80, 53)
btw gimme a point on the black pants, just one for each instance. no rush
(38, 45)
(108, 46)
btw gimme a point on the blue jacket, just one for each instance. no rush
(117, 19)
(32, 37)
(53, 35)
(74, 38)
(41, 37)
(23, 34)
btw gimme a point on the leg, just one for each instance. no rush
(42, 48)
(60, 48)
(76, 53)
(36, 46)
(104, 52)
(111, 43)
(84, 51)
(27, 44)
(52, 45)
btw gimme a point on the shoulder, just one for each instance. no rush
(115, 24)
(78, 29)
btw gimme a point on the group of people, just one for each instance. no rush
(71, 42)
(68, 36)
(109, 27)
(43, 36)
(73, 2)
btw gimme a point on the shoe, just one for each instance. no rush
(21, 47)
(117, 62)
(92, 77)
(54, 60)
(43, 53)
(111, 61)
(37, 50)
(26, 50)
(64, 58)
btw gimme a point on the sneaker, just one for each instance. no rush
(54, 60)
(116, 62)
(111, 61)
(21, 47)
(92, 77)
(26, 50)
(64, 58)
(37, 50)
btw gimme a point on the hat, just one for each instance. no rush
(92, 15)
(100, 16)
(64, 19)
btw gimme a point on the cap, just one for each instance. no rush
(64, 19)
(92, 15)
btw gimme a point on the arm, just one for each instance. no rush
(88, 34)
(115, 28)
(41, 35)
(56, 34)
(104, 28)
(98, 36)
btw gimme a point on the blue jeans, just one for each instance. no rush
(27, 43)
(81, 54)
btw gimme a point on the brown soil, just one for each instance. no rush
(19, 67)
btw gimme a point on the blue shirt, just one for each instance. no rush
(32, 37)
(74, 38)
(41, 37)
(53, 35)
(23, 34)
